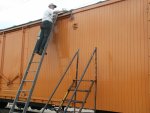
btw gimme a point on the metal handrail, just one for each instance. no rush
(85, 70)
(63, 75)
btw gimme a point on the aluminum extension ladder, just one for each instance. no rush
(36, 73)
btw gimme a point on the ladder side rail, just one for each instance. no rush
(77, 72)
(95, 85)
(85, 70)
(38, 69)
(86, 96)
(63, 75)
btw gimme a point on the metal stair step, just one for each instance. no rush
(84, 80)
(79, 90)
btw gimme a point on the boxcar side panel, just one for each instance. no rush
(11, 63)
(148, 38)
(1, 46)
(119, 31)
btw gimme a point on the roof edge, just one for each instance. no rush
(25, 25)
(96, 5)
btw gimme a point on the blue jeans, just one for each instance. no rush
(46, 27)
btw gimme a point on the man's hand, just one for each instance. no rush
(64, 10)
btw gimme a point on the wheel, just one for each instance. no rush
(3, 104)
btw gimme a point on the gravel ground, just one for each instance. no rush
(37, 111)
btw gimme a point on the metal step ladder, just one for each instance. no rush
(35, 74)
(73, 87)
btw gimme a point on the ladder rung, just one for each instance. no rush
(73, 101)
(32, 71)
(80, 90)
(35, 62)
(28, 80)
(24, 90)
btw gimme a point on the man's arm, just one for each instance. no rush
(60, 11)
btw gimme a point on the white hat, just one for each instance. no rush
(51, 4)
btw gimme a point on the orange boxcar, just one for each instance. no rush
(120, 31)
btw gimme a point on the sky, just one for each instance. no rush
(15, 12)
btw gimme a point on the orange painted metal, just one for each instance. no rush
(120, 31)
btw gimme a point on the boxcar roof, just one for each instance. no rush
(85, 8)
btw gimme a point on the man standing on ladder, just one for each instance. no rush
(46, 26)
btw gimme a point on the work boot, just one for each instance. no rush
(36, 51)
(41, 51)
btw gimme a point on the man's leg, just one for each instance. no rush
(44, 41)
(39, 42)
(46, 35)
